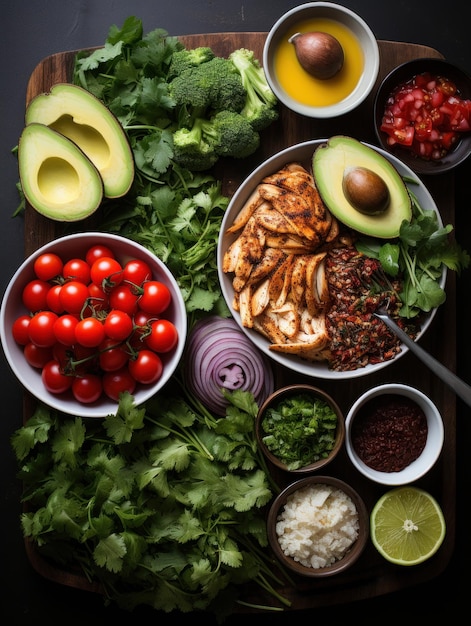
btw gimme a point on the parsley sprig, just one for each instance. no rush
(162, 504)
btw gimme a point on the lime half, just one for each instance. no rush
(407, 525)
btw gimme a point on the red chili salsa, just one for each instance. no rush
(389, 432)
(426, 115)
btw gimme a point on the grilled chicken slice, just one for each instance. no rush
(280, 282)
(260, 298)
(270, 260)
(317, 287)
(306, 344)
(290, 244)
(253, 202)
(305, 213)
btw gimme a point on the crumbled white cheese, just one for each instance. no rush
(317, 525)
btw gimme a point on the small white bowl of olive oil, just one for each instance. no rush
(310, 76)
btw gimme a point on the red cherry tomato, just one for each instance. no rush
(64, 355)
(53, 299)
(85, 359)
(96, 252)
(98, 298)
(89, 332)
(73, 296)
(87, 388)
(54, 379)
(77, 269)
(142, 322)
(106, 272)
(147, 367)
(112, 356)
(64, 329)
(163, 336)
(115, 383)
(137, 271)
(34, 295)
(41, 328)
(123, 297)
(155, 298)
(19, 329)
(47, 266)
(118, 325)
(37, 357)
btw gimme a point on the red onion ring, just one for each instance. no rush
(220, 356)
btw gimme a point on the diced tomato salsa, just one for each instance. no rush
(426, 115)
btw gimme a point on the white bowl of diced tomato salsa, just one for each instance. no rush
(423, 114)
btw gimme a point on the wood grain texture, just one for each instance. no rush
(371, 576)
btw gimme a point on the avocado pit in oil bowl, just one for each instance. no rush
(319, 53)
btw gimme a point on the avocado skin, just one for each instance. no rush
(340, 153)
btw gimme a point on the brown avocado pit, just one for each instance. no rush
(319, 53)
(365, 190)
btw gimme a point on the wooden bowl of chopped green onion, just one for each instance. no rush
(300, 429)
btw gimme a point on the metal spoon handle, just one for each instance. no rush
(462, 389)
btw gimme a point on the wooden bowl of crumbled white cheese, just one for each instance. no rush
(318, 526)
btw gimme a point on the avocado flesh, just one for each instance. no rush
(57, 178)
(84, 119)
(339, 154)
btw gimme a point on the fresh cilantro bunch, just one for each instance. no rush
(162, 505)
(173, 211)
(418, 256)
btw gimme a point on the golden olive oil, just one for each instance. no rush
(303, 87)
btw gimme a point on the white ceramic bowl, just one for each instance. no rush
(303, 153)
(68, 247)
(433, 445)
(360, 89)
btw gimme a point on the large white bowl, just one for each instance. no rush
(341, 15)
(303, 153)
(433, 445)
(69, 247)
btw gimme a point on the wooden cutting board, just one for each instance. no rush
(371, 576)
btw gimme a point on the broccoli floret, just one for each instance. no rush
(214, 85)
(225, 134)
(191, 150)
(261, 103)
(232, 134)
(188, 58)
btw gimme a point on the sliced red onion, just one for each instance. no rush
(219, 355)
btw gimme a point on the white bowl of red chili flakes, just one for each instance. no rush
(393, 434)
(422, 114)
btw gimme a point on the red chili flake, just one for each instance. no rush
(389, 432)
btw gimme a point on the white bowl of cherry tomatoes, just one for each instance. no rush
(422, 113)
(90, 316)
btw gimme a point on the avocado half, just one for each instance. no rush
(56, 177)
(339, 155)
(84, 119)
